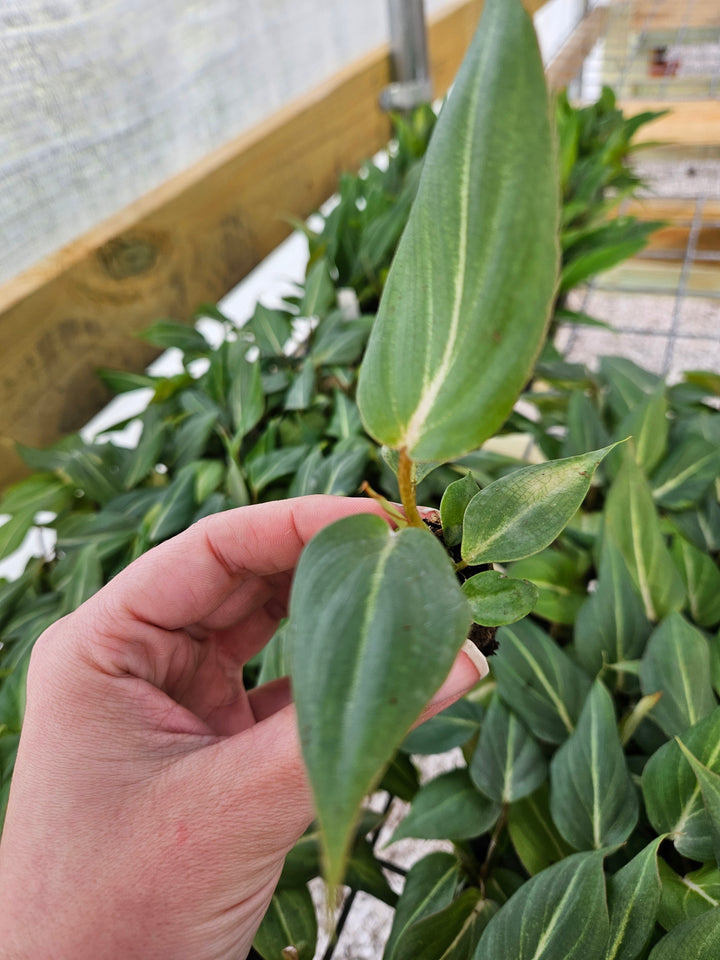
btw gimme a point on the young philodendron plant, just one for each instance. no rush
(377, 616)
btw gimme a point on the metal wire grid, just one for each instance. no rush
(623, 57)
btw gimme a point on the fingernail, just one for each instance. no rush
(478, 659)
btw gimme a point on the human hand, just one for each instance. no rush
(154, 798)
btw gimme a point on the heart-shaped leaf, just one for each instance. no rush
(465, 306)
(376, 619)
(523, 513)
(496, 600)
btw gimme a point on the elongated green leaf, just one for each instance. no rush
(453, 505)
(290, 921)
(268, 467)
(429, 887)
(376, 619)
(302, 388)
(465, 305)
(341, 342)
(561, 912)
(523, 513)
(585, 429)
(710, 788)
(684, 898)
(449, 805)
(533, 833)
(647, 424)
(319, 291)
(507, 764)
(702, 581)
(698, 938)
(701, 524)
(611, 625)
(634, 900)
(246, 398)
(42, 491)
(593, 800)
(177, 507)
(86, 578)
(496, 600)
(685, 476)
(677, 662)
(631, 523)
(170, 333)
(123, 381)
(627, 383)
(147, 452)
(14, 531)
(539, 681)
(557, 577)
(451, 728)
(271, 329)
(449, 934)
(345, 420)
(673, 798)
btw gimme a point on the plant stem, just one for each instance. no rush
(499, 827)
(406, 482)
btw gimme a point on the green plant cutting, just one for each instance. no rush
(584, 815)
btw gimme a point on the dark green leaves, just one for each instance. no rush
(592, 797)
(524, 512)
(507, 764)
(633, 899)
(376, 620)
(496, 600)
(429, 887)
(561, 912)
(289, 922)
(469, 279)
(449, 805)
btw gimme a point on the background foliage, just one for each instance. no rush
(588, 803)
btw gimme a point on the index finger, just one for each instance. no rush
(184, 580)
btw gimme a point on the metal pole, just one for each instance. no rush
(408, 47)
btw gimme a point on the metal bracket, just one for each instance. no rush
(408, 49)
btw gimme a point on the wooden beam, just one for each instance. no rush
(188, 242)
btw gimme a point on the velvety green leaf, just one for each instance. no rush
(701, 524)
(687, 473)
(451, 728)
(496, 600)
(611, 625)
(41, 491)
(302, 388)
(702, 581)
(469, 279)
(319, 293)
(533, 833)
(429, 887)
(522, 513)
(147, 452)
(698, 938)
(647, 424)
(86, 578)
(345, 420)
(123, 381)
(673, 798)
(271, 329)
(585, 429)
(190, 439)
(209, 474)
(502, 884)
(559, 584)
(710, 789)
(236, 486)
(627, 384)
(365, 873)
(507, 764)
(684, 898)
(633, 900)
(290, 921)
(706, 379)
(169, 333)
(539, 681)
(14, 531)
(342, 342)
(449, 805)
(176, 509)
(344, 468)
(401, 778)
(561, 912)
(380, 614)
(453, 505)
(632, 524)
(246, 398)
(268, 467)
(593, 800)
(448, 934)
(677, 662)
